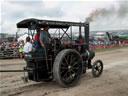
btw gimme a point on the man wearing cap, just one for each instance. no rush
(45, 39)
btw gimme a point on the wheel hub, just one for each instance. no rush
(69, 67)
(96, 68)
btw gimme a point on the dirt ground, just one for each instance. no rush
(113, 81)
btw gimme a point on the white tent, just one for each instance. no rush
(23, 37)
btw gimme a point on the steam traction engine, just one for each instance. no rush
(64, 62)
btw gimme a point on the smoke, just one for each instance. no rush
(120, 12)
(123, 9)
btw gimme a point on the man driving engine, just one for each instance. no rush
(45, 39)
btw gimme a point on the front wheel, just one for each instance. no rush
(97, 68)
(67, 68)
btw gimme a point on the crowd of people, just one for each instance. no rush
(40, 43)
(100, 44)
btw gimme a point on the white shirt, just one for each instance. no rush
(27, 47)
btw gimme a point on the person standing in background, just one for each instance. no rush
(21, 49)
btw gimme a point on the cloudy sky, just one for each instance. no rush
(116, 16)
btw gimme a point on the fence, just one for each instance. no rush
(101, 45)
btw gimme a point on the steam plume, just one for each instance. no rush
(120, 12)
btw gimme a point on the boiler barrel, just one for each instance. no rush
(88, 55)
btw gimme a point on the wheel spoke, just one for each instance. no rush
(71, 59)
(97, 72)
(73, 71)
(74, 58)
(66, 61)
(63, 64)
(99, 67)
(97, 64)
(65, 68)
(75, 68)
(70, 75)
(65, 74)
(75, 63)
(67, 58)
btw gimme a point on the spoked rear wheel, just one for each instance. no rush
(67, 68)
(97, 68)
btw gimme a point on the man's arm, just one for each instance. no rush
(30, 48)
(42, 44)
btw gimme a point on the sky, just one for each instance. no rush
(13, 11)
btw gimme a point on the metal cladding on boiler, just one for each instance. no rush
(88, 55)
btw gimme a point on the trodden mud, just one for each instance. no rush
(113, 81)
